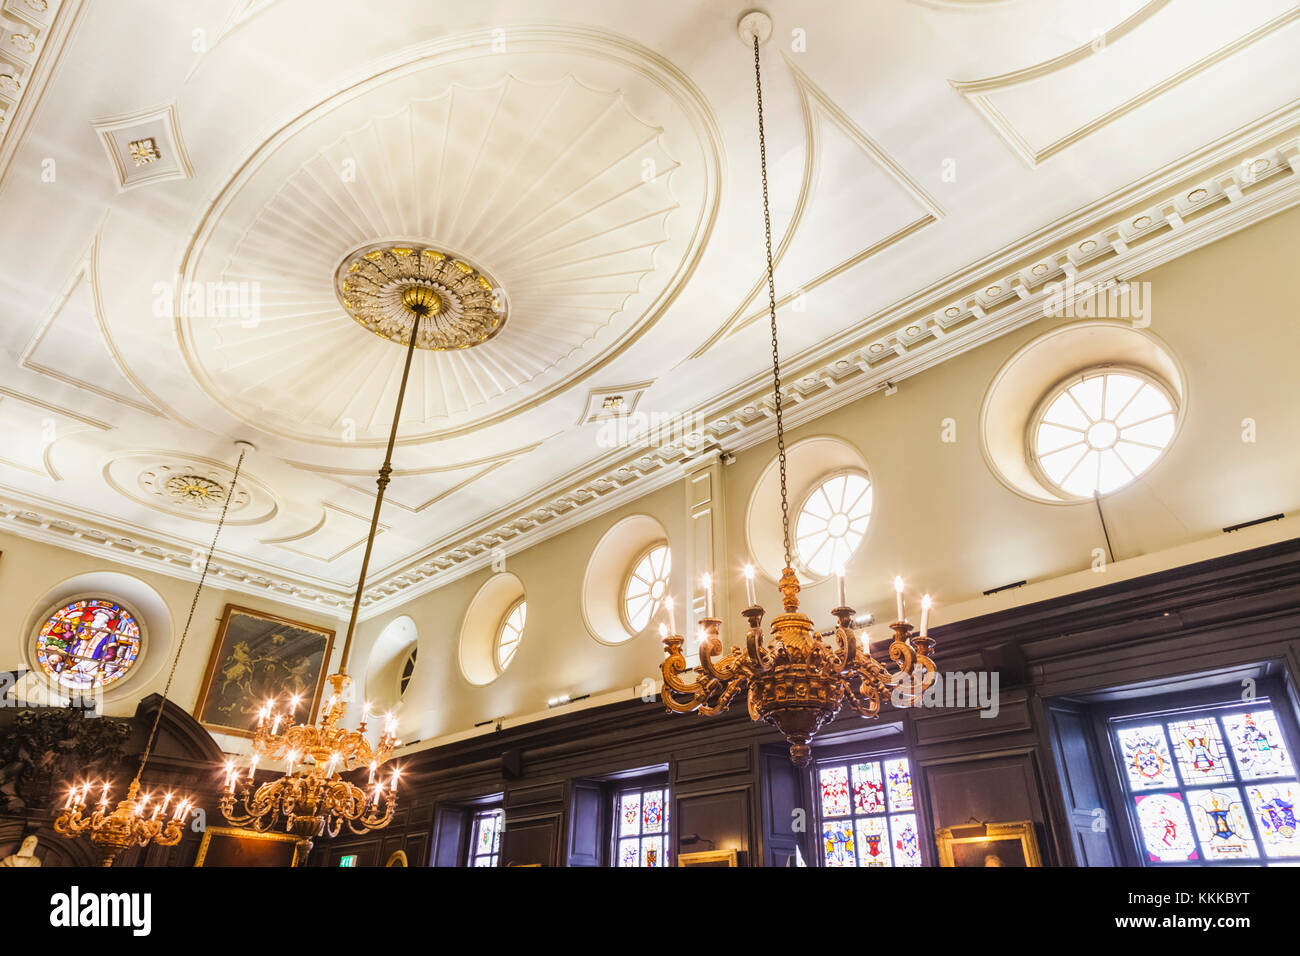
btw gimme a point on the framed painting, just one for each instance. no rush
(988, 844)
(708, 858)
(232, 846)
(258, 656)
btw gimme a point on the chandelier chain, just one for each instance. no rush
(194, 603)
(771, 306)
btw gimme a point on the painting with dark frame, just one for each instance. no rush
(258, 656)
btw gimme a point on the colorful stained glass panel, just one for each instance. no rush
(652, 811)
(898, 782)
(1220, 818)
(1166, 831)
(835, 791)
(88, 643)
(837, 841)
(1146, 757)
(629, 814)
(1199, 749)
(868, 791)
(907, 846)
(627, 853)
(1274, 807)
(652, 851)
(1257, 744)
(873, 842)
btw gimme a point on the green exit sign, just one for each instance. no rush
(349, 860)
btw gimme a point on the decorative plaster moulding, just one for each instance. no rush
(981, 93)
(134, 164)
(611, 402)
(32, 36)
(1235, 196)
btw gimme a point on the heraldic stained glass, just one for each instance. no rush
(485, 847)
(1244, 811)
(861, 825)
(642, 823)
(88, 643)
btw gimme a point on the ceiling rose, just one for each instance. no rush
(385, 285)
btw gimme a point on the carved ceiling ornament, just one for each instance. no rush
(385, 286)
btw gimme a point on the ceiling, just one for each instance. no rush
(181, 187)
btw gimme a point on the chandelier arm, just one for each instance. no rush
(674, 665)
(721, 670)
(771, 306)
(385, 470)
(724, 702)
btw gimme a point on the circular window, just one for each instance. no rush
(512, 631)
(87, 643)
(1096, 432)
(832, 522)
(646, 587)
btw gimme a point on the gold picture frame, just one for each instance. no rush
(255, 656)
(989, 844)
(708, 858)
(235, 846)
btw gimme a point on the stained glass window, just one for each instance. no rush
(511, 633)
(867, 815)
(641, 827)
(1212, 787)
(832, 522)
(88, 643)
(646, 588)
(485, 840)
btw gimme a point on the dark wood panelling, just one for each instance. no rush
(713, 765)
(587, 817)
(719, 818)
(535, 840)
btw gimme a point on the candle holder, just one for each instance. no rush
(794, 680)
(126, 825)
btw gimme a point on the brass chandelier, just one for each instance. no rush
(795, 681)
(139, 820)
(312, 798)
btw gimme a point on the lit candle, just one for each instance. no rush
(275, 725)
(252, 768)
(925, 615)
(839, 583)
(395, 773)
(103, 796)
(293, 760)
(71, 795)
(708, 595)
(167, 799)
(663, 631)
(898, 594)
(672, 615)
(749, 586)
(373, 765)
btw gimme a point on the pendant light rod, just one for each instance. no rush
(771, 305)
(194, 603)
(418, 311)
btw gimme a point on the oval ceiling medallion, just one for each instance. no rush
(542, 224)
(190, 486)
(385, 287)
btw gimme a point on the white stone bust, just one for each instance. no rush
(26, 855)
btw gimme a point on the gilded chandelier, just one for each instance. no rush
(132, 822)
(794, 680)
(316, 800)
(311, 798)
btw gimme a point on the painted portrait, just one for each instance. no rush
(258, 656)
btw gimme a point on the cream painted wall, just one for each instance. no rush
(942, 519)
(29, 569)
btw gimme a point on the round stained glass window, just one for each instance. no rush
(88, 643)
(646, 588)
(832, 522)
(511, 633)
(1098, 432)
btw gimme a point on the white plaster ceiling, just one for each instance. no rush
(932, 165)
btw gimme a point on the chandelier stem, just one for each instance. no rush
(385, 471)
(771, 306)
(194, 603)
